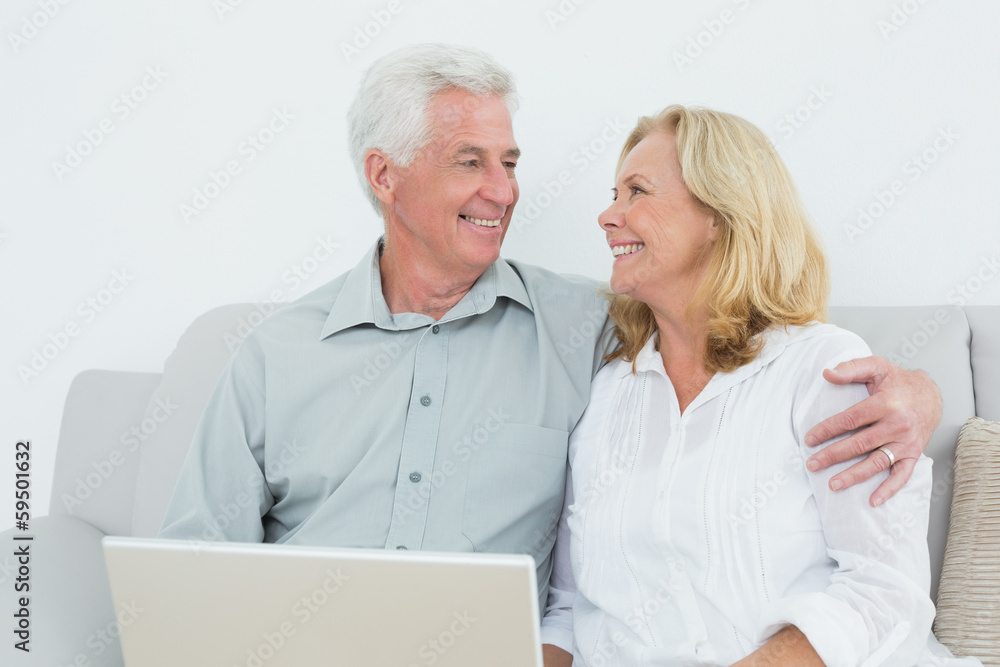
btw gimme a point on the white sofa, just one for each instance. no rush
(124, 435)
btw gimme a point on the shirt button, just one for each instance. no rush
(425, 401)
(401, 548)
(435, 329)
(414, 477)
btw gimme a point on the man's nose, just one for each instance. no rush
(498, 187)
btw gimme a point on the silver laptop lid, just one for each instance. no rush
(265, 605)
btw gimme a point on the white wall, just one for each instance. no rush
(884, 79)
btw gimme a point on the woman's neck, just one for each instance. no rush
(683, 341)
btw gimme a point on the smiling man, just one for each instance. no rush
(459, 443)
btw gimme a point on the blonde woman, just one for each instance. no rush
(694, 533)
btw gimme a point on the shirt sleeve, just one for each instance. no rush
(222, 493)
(557, 623)
(876, 609)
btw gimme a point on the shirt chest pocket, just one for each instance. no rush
(514, 491)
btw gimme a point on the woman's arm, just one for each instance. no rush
(876, 602)
(787, 647)
(553, 656)
(557, 620)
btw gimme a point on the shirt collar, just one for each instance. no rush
(361, 300)
(776, 339)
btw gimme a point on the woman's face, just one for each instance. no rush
(660, 235)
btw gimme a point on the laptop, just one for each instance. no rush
(265, 605)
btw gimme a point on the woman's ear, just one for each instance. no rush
(714, 227)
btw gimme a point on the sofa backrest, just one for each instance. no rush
(959, 349)
(97, 458)
(985, 325)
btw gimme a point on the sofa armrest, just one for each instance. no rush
(72, 620)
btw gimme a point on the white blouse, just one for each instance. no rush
(693, 538)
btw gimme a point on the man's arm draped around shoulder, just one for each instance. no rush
(902, 412)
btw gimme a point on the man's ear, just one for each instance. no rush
(378, 171)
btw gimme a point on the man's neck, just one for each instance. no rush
(411, 286)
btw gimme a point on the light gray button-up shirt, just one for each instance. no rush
(338, 423)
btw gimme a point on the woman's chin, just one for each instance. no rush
(620, 287)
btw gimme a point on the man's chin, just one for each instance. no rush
(481, 257)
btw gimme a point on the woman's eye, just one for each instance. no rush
(636, 189)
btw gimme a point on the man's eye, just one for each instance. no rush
(510, 165)
(470, 163)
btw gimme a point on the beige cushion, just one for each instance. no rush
(968, 618)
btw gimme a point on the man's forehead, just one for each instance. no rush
(453, 109)
(466, 123)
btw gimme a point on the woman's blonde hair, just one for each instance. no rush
(767, 267)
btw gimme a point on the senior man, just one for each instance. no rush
(484, 365)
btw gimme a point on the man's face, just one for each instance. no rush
(453, 204)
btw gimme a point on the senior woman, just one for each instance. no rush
(693, 531)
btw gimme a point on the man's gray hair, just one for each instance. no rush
(390, 110)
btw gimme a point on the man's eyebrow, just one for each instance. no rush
(482, 152)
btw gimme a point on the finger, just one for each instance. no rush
(864, 441)
(856, 370)
(865, 469)
(860, 414)
(898, 477)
